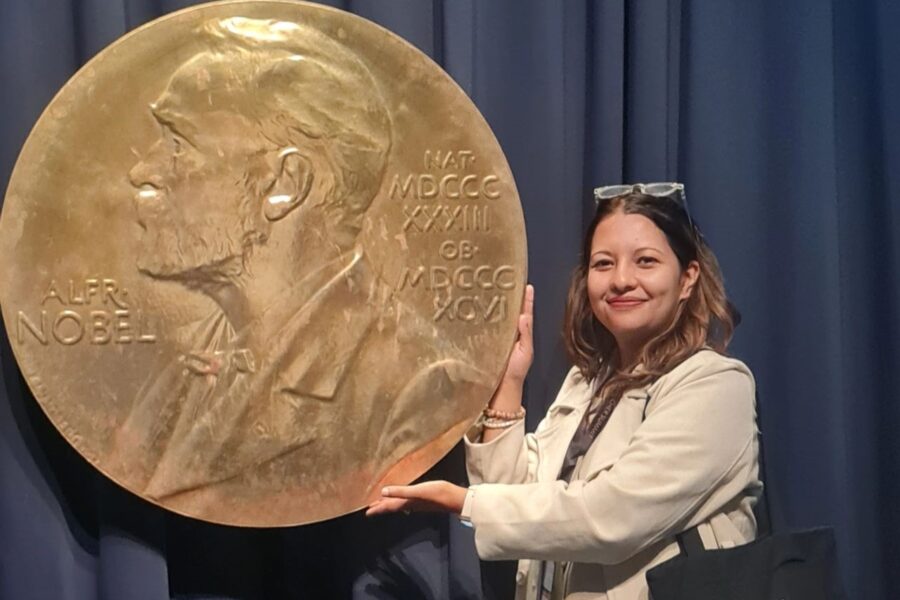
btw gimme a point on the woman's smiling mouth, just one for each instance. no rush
(624, 303)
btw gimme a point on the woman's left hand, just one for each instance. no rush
(431, 496)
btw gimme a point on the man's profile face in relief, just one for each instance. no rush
(246, 133)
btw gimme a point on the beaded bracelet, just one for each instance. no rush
(499, 423)
(504, 415)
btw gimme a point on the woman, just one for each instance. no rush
(653, 431)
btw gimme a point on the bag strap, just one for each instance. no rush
(764, 515)
(689, 542)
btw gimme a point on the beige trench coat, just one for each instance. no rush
(680, 452)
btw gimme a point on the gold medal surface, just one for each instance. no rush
(260, 259)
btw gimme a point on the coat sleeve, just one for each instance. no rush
(694, 453)
(505, 459)
(513, 456)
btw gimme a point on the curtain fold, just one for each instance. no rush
(781, 120)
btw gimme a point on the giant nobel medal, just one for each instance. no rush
(259, 259)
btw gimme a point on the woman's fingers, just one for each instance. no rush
(523, 351)
(528, 304)
(422, 491)
(525, 325)
(398, 498)
(528, 309)
(405, 498)
(526, 320)
(441, 496)
(387, 505)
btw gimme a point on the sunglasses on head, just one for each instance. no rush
(671, 190)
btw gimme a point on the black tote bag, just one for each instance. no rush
(800, 565)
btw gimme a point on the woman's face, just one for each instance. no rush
(635, 282)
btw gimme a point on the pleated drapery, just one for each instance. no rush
(781, 119)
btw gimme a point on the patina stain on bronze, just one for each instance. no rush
(259, 259)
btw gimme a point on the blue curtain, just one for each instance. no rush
(781, 119)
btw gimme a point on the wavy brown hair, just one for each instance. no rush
(705, 318)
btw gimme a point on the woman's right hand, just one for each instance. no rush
(508, 396)
(523, 352)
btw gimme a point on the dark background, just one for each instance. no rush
(780, 117)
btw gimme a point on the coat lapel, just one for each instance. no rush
(615, 437)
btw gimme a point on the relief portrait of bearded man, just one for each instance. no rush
(273, 143)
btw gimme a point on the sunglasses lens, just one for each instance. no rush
(660, 189)
(611, 191)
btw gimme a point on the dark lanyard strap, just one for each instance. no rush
(590, 427)
(588, 430)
